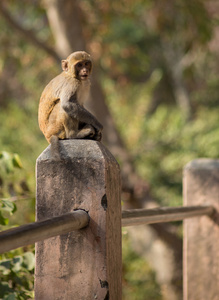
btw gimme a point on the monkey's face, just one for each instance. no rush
(78, 65)
(83, 69)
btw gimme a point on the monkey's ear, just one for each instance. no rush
(64, 65)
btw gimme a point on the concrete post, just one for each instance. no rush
(201, 242)
(83, 264)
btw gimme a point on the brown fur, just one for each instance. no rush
(61, 111)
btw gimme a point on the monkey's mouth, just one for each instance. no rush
(84, 76)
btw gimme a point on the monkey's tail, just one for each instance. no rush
(55, 147)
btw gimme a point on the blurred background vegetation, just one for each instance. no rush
(157, 63)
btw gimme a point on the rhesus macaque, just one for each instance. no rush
(61, 112)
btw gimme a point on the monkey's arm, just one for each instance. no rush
(78, 112)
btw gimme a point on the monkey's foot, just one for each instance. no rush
(87, 132)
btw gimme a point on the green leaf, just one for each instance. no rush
(14, 209)
(3, 220)
(17, 263)
(7, 163)
(8, 206)
(5, 267)
(29, 261)
(4, 288)
(17, 161)
(11, 297)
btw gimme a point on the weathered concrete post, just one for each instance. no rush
(84, 264)
(201, 242)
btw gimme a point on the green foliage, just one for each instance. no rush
(171, 143)
(16, 277)
(16, 272)
(138, 279)
(6, 207)
(9, 161)
(162, 144)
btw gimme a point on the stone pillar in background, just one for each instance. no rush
(201, 234)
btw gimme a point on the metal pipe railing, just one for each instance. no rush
(34, 232)
(163, 214)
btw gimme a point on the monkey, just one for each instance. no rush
(61, 113)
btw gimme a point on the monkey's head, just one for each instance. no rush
(78, 64)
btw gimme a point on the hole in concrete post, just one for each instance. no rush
(104, 202)
(104, 284)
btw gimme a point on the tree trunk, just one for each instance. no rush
(173, 57)
(65, 22)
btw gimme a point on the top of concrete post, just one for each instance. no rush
(78, 149)
(203, 164)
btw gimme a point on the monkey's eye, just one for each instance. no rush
(79, 65)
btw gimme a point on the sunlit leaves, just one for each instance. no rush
(9, 161)
(16, 277)
(7, 208)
